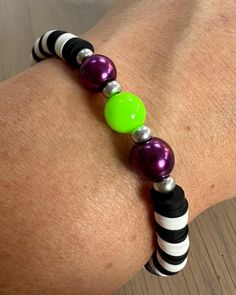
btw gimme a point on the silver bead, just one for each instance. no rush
(111, 88)
(165, 186)
(82, 54)
(141, 134)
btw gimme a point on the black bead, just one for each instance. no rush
(172, 236)
(72, 47)
(36, 58)
(52, 38)
(148, 268)
(175, 260)
(160, 268)
(168, 201)
(41, 48)
(173, 213)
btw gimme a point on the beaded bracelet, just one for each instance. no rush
(151, 157)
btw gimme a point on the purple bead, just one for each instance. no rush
(96, 71)
(152, 160)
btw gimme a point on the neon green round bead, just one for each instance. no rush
(124, 112)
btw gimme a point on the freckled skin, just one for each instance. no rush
(109, 265)
(188, 128)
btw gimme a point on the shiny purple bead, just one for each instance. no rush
(152, 160)
(96, 71)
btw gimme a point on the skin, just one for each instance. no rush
(73, 218)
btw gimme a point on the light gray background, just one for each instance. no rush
(212, 262)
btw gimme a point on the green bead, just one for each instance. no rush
(124, 112)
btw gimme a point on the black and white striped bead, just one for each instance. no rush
(44, 45)
(37, 54)
(44, 40)
(64, 45)
(60, 43)
(73, 47)
(171, 224)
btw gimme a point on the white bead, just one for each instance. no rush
(37, 51)
(165, 186)
(111, 88)
(172, 223)
(141, 134)
(82, 54)
(173, 249)
(61, 41)
(171, 267)
(44, 41)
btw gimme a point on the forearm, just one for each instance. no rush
(72, 212)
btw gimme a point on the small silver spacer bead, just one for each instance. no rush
(82, 54)
(165, 186)
(111, 88)
(141, 134)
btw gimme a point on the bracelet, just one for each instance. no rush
(150, 157)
